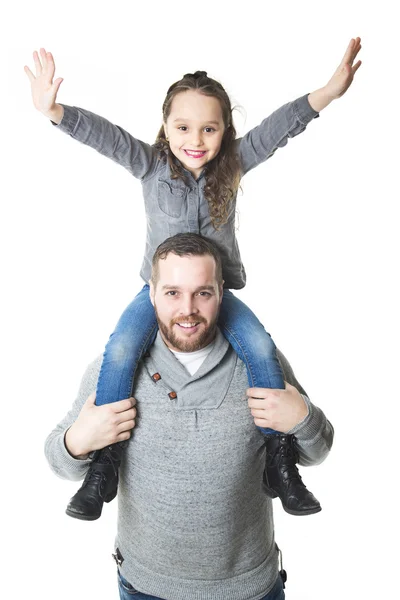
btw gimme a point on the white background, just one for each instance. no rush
(318, 234)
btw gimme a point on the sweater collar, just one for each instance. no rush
(174, 372)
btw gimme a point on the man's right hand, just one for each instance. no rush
(44, 90)
(99, 426)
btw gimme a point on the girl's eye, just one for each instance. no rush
(182, 128)
(209, 129)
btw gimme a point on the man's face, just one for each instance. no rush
(186, 299)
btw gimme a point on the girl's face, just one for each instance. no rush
(195, 129)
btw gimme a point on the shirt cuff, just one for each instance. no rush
(310, 427)
(63, 464)
(69, 121)
(304, 111)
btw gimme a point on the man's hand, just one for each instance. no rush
(277, 409)
(44, 89)
(341, 80)
(99, 426)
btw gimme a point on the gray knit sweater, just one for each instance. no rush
(193, 520)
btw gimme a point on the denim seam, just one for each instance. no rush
(157, 167)
(248, 364)
(145, 345)
(268, 430)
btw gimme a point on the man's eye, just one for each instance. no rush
(171, 293)
(205, 294)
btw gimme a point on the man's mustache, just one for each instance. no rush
(188, 320)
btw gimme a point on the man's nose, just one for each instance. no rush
(188, 306)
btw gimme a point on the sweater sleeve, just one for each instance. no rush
(139, 158)
(60, 460)
(260, 143)
(314, 434)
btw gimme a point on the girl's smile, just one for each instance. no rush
(195, 153)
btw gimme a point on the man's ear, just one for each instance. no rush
(152, 292)
(221, 292)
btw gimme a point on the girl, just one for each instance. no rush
(190, 178)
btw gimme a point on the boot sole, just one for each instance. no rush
(81, 517)
(111, 497)
(299, 513)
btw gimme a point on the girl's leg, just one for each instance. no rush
(133, 335)
(257, 350)
(252, 344)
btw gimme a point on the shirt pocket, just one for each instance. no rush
(171, 197)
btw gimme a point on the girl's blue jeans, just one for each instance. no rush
(136, 331)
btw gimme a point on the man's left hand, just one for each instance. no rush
(277, 409)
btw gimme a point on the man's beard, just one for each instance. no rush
(189, 345)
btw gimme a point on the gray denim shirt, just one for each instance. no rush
(173, 206)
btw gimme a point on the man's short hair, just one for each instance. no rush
(186, 244)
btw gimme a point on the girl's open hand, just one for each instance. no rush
(344, 74)
(44, 89)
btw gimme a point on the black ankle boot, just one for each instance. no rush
(282, 478)
(99, 486)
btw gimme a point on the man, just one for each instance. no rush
(194, 521)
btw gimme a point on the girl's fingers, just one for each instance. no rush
(356, 50)
(347, 54)
(57, 84)
(43, 56)
(50, 65)
(29, 73)
(38, 64)
(352, 50)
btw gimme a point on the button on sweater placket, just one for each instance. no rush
(156, 377)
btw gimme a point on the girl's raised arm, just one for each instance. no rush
(44, 89)
(139, 158)
(286, 122)
(340, 81)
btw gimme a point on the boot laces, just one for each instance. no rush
(109, 457)
(95, 476)
(96, 479)
(289, 458)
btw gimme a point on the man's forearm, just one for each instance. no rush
(62, 459)
(314, 436)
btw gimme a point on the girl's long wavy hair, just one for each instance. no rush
(223, 172)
